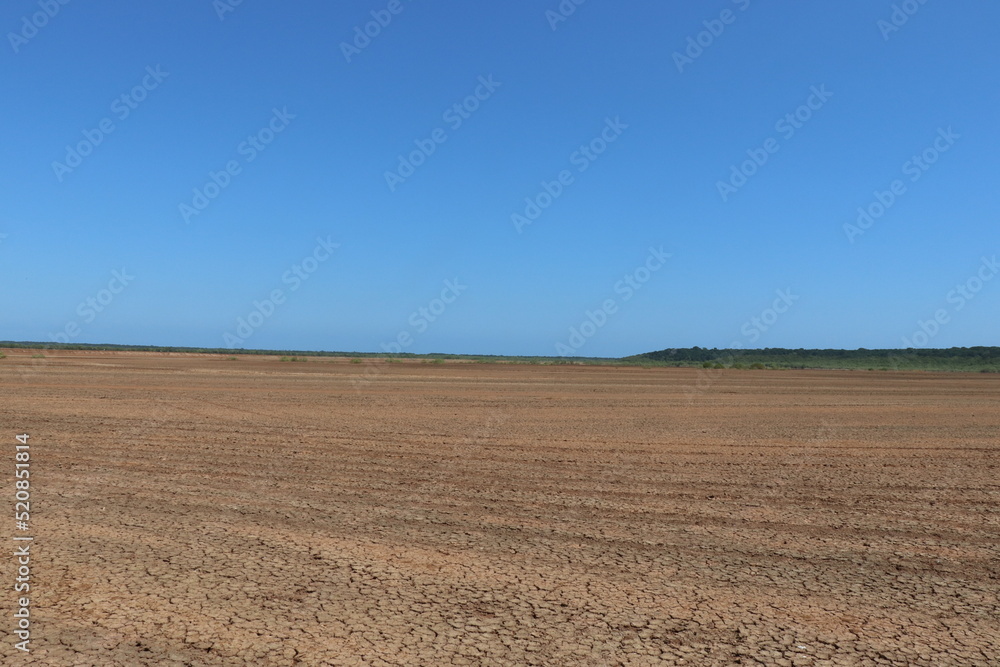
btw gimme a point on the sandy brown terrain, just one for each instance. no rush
(189, 510)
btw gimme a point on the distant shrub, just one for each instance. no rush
(231, 359)
(738, 365)
(38, 356)
(757, 366)
(707, 364)
(437, 361)
(356, 360)
(717, 366)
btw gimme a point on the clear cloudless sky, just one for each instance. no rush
(888, 96)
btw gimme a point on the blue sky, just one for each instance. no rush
(643, 125)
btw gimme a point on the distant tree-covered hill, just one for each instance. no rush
(955, 358)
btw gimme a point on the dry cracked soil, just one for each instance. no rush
(193, 510)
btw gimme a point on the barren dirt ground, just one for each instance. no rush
(190, 510)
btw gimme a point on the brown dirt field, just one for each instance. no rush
(189, 510)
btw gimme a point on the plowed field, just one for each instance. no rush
(192, 510)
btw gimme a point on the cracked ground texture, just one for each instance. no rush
(190, 510)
